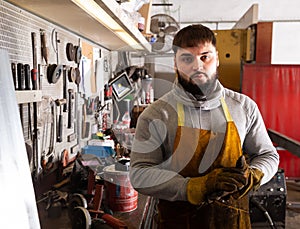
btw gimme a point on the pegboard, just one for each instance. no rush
(15, 37)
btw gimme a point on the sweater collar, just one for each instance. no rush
(186, 98)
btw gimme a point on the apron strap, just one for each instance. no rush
(226, 111)
(180, 115)
(180, 111)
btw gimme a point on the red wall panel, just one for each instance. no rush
(276, 90)
(290, 163)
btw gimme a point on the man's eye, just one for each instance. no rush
(187, 59)
(204, 58)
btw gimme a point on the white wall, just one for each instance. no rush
(224, 13)
(216, 14)
(285, 43)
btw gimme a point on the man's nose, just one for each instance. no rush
(198, 64)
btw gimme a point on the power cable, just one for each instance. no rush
(266, 214)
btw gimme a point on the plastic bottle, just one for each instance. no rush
(151, 95)
(126, 119)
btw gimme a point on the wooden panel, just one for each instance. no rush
(145, 11)
(87, 51)
(249, 18)
(264, 42)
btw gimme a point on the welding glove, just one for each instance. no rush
(252, 175)
(223, 181)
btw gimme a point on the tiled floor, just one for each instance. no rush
(132, 219)
(293, 205)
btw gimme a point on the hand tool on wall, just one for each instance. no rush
(54, 71)
(83, 62)
(34, 80)
(34, 64)
(75, 150)
(21, 76)
(64, 158)
(71, 137)
(27, 75)
(65, 93)
(77, 77)
(14, 74)
(21, 86)
(85, 124)
(70, 108)
(73, 52)
(47, 157)
(28, 87)
(44, 48)
(76, 116)
(72, 75)
(78, 54)
(59, 132)
(90, 106)
(70, 51)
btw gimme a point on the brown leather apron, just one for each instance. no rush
(227, 214)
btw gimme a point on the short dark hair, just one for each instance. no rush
(192, 36)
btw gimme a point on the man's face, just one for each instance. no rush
(197, 66)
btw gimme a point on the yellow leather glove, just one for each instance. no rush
(223, 181)
(252, 175)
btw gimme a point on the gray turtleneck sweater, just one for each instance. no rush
(150, 172)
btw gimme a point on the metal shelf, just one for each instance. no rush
(71, 17)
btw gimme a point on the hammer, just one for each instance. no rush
(59, 103)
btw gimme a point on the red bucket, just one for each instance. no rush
(120, 195)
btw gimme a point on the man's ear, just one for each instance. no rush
(217, 56)
(175, 64)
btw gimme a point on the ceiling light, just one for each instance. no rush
(93, 9)
(99, 14)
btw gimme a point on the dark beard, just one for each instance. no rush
(200, 92)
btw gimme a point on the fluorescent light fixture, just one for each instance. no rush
(129, 40)
(95, 10)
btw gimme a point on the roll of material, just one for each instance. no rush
(15, 170)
